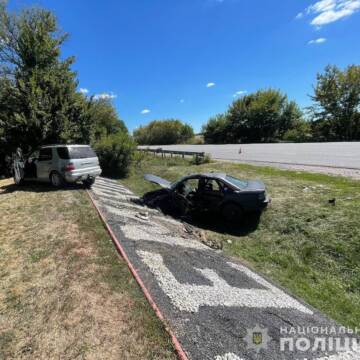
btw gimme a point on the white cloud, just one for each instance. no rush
(328, 11)
(239, 93)
(210, 84)
(145, 111)
(105, 96)
(317, 41)
(182, 101)
(84, 91)
(300, 15)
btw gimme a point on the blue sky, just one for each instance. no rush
(189, 59)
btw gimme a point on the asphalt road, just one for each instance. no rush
(218, 308)
(342, 155)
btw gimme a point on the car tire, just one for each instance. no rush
(56, 179)
(232, 212)
(88, 183)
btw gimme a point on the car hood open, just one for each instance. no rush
(158, 181)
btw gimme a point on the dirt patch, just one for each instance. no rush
(64, 293)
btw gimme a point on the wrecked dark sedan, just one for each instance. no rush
(208, 192)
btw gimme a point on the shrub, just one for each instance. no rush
(115, 154)
(164, 132)
(198, 160)
(301, 132)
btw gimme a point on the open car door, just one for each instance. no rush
(18, 167)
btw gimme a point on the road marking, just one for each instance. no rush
(115, 195)
(348, 355)
(190, 297)
(157, 233)
(228, 356)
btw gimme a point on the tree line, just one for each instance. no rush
(40, 104)
(39, 101)
(268, 116)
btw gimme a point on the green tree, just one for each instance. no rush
(336, 111)
(163, 132)
(215, 130)
(104, 118)
(39, 102)
(41, 98)
(263, 116)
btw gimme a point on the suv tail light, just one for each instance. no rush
(69, 167)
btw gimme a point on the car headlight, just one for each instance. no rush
(261, 196)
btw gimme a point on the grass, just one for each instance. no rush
(64, 292)
(302, 242)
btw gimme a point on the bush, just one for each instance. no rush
(198, 160)
(301, 132)
(115, 154)
(163, 132)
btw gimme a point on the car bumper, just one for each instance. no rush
(73, 176)
(264, 204)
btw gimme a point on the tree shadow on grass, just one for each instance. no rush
(37, 187)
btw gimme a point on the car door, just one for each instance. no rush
(184, 195)
(44, 164)
(211, 193)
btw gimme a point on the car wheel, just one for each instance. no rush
(56, 179)
(88, 183)
(232, 212)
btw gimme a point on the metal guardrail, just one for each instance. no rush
(172, 152)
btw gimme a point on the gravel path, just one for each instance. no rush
(218, 308)
(329, 158)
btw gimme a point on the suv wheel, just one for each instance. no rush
(56, 179)
(232, 212)
(89, 182)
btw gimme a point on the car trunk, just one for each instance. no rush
(254, 185)
(82, 157)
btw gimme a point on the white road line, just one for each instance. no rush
(159, 234)
(112, 187)
(228, 356)
(115, 195)
(348, 355)
(190, 297)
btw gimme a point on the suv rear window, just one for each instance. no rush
(77, 152)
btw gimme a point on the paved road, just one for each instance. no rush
(344, 155)
(218, 308)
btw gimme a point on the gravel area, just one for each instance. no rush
(218, 308)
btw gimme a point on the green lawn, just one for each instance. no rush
(302, 242)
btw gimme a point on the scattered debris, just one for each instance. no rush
(332, 202)
(143, 215)
(229, 241)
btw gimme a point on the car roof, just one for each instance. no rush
(213, 175)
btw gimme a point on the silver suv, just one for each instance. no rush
(58, 164)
